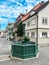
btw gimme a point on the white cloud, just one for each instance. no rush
(12, 0)
(44, 0)
(3, 20)
(29, 7)
(30, 1)
(8, 11)
(16, 1)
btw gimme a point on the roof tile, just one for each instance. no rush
(37, 6)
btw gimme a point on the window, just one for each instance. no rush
(28, 34)
(32, 34)
(44, 34)
(33, 21)
(28, 23)
(44, 20)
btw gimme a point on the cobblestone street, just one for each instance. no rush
(24, 32)
(43, 59)
(5, 46)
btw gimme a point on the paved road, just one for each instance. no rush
(5, 46)
(43, 58)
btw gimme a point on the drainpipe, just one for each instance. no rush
(37, 33)
(37, 30)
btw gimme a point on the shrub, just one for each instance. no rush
(25, 39)
(13, 34)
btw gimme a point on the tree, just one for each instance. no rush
(20, 30)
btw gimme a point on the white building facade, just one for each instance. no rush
(37, 25)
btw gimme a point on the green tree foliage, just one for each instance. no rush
(20, 30)
(13, 34)
(25, 39)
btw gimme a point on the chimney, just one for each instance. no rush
(42, 2)
(26, 10)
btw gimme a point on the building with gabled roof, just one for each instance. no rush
(9, 30)
(37, 24)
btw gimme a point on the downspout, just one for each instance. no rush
(37, 33)
(37, 30)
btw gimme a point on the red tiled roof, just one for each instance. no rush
(25, 16)
(22, 17)
(22, 14)
(37, 6)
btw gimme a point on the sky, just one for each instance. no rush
(10, 9)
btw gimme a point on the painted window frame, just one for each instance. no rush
(32, 21)
(28, 23)
(27, 34)
(33, 35)
(43, 20)
(46, 35)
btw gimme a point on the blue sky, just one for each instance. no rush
(10, 9)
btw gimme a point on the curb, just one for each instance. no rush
(4, 57)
